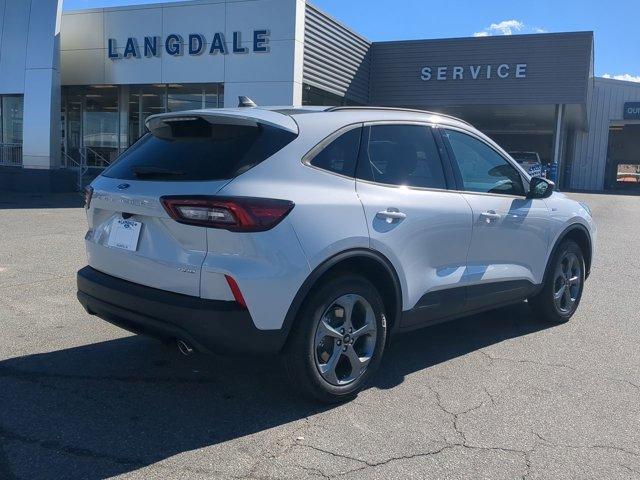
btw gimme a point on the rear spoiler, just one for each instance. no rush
(157, 124)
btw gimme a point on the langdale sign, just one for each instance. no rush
(195, 44)
(473, 72)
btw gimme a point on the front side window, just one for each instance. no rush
(482, 168)
(341, 154)
(402, 155)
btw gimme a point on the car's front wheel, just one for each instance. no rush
(562, 289)
(338, 340)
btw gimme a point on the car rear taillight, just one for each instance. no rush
(88, 194)
(238, 214)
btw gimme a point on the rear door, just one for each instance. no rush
(131, 236)
(423, 228)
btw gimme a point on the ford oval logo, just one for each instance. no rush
(123, 186)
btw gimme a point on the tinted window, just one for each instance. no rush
(482, 168)
(402, 155)
(340, 155)
(199, 152)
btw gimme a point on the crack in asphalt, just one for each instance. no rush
(366, 464)
(493, 358)
(595, 446)
(628, 382)
(629, 469)
(281, 447)
(279, 443)
(525, 454)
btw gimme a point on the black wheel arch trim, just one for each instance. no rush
(331, 262)
(565, 233)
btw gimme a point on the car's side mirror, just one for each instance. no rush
(540, 188)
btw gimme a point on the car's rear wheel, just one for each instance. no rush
(338, 340)
(562, 290)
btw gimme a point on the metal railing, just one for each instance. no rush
(78, 165)
(94, 159)
(11, 154)
(87, 159)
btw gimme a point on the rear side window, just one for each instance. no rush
(402, 155)
(199, 151)
(341, 155)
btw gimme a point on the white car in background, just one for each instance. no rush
(317, 232)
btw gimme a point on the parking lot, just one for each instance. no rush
(497, 395)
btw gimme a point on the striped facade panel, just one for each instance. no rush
(557, 70)
(590, 151)
(335, 59)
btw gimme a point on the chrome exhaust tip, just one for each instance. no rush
(184, 348)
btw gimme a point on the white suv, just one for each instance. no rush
(317, 232)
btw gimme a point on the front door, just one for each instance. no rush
(508, 251)
(420, 226)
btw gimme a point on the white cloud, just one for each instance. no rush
(508, 27)
(625, 76)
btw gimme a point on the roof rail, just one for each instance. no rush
(396, 109)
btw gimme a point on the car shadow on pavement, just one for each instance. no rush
(109, 408)
(420, 349)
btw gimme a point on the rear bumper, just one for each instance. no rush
(209, 325)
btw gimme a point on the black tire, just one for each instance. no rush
(301, 354)
(544, 304)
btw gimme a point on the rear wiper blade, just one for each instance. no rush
(156, 172)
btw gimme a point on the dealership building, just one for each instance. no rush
(76, 87)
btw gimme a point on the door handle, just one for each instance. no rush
(490, 216)
(391, 214)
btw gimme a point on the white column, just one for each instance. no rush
(41, 128)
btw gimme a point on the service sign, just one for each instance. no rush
(473, 72)
(631, 111)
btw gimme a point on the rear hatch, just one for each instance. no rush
(193, 154)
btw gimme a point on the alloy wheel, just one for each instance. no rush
(345, 339)
(567, 283)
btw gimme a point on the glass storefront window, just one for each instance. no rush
(146, 100)
(213, 96)
(12, 111)
(184, 97)
(101, 121)
(92, 122)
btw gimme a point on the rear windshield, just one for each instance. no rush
(199, 151)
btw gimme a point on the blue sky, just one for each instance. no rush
(615, 23)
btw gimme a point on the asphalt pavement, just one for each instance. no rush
(498, 396)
